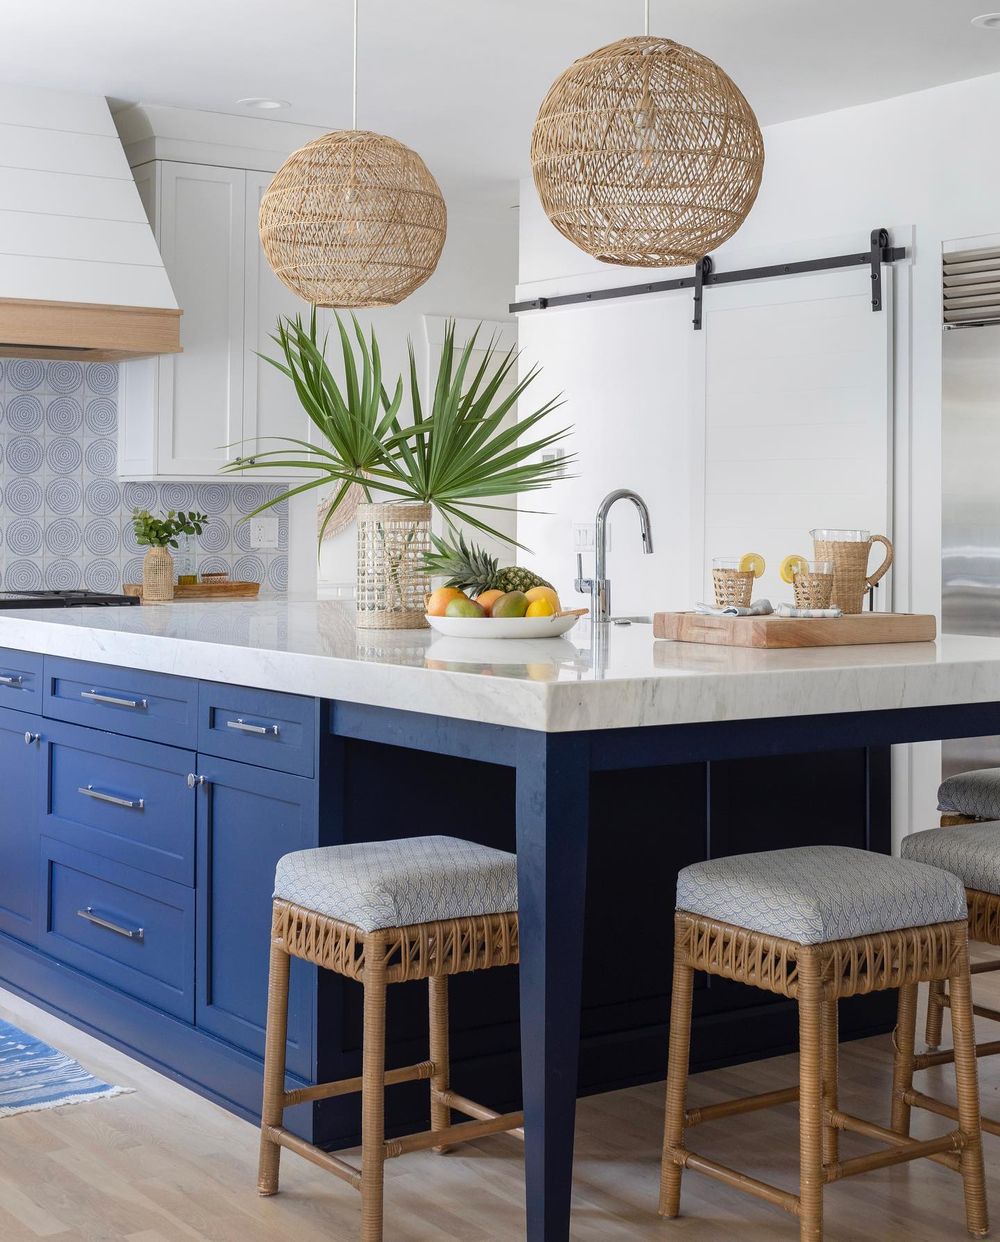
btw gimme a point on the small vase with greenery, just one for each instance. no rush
(460, 454)
(159, 535)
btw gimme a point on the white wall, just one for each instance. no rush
(473, 280)
(920, 165)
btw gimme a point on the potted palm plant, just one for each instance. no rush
(458, 454)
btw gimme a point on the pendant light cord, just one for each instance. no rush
(354, 110)
(647, 17)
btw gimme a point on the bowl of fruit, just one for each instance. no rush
(484, 600)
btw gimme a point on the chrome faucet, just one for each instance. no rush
(599, 587)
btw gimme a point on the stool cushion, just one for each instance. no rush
(399, 883)
(972, 793)
(820, 893)
(970, 851)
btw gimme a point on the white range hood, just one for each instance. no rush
(80, 273)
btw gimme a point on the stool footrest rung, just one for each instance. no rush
(352, 1086)
(464, 1132)
(739, 1181)
(924, 1060)
(859, 1125)
(888, 1156)
(981, 1011)
(745, 1104)
(917, 1099)
(469, 1108)
(315, 1155)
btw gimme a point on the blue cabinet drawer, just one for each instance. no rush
(261, 727)
(128, 929)
(20, 680)
(154, 706)
(125, 799)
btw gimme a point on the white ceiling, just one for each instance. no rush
(461, 80)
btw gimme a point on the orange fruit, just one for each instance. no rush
(438, 600)
(488, 599)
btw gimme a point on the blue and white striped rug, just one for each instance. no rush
(35, 1076)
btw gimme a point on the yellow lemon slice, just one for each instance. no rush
(791, 566)
(752, 563)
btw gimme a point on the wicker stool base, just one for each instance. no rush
(431, 951)
(817, 976)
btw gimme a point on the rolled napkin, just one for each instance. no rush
(762, 608)
(789, 610)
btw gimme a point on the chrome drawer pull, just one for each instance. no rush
(130, 933)
(261, 730)
(14, 680)
(131, 804)
(95, 696)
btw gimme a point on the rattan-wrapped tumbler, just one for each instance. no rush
(646, 153)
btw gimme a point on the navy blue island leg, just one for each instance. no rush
(553, 807)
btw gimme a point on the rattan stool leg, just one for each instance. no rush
(437, 986)
(935, 1015)
(904, 1038)
(967, 1088)
(677, 1076)
(811, 1176)
(274, 1068)
(373, 1093)
(831, 1079)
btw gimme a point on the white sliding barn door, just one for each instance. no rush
(792, 420)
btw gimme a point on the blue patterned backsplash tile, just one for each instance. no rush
(65, 519)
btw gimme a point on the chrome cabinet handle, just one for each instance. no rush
(14, 680)
(131, 804)
(130, 933)
(242, 726)
(30, 737)
(95, 696)
(194, 780)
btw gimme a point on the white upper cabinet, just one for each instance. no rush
(187, 415)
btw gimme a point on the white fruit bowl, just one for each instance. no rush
(502, 627)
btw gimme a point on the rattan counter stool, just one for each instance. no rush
(383, 913)
(971, 850)
(970, 796)
(817, 924)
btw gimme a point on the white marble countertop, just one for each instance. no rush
(604, 677)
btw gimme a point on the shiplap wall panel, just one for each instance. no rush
(795, 413)
(70, 215)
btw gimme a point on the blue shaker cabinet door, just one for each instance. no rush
(247, 818)
(21, 766)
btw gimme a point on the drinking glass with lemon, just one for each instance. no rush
(811, 581)
(733, 578)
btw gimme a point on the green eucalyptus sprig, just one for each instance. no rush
(162, 532)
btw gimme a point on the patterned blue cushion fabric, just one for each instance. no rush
(398, 883)
(820, 893)
(970, 851)
(972, 793)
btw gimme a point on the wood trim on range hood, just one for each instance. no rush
(86, 331)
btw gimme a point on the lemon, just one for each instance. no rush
(752, 563)
(791, 566)
(540, 608)
(543, 592)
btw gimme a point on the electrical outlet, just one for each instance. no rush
(583, 536)
(263, 532)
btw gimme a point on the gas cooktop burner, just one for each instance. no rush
(64, 599)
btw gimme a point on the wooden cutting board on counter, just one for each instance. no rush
(781, 632)
(223, 591)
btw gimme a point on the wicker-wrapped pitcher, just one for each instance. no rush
(157, 576)
(393, 538)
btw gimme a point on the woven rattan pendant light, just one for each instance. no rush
(353, 219)
(645, 153)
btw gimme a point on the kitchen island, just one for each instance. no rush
(156, 761)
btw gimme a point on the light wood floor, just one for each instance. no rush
(163, 1165)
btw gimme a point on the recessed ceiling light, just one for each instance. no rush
(988, 21)
(263, 104)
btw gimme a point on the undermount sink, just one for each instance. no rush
(631, 620)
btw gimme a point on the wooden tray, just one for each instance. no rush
(778, 632)
(204, 590)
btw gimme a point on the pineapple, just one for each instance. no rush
(472, 569)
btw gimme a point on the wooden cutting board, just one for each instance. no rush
(780, 632)
(204, 590)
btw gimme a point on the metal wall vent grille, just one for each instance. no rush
(971, 288)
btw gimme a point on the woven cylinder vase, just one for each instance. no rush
(851, 578)
(733, 587)
(157, 576)
(393, 538)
